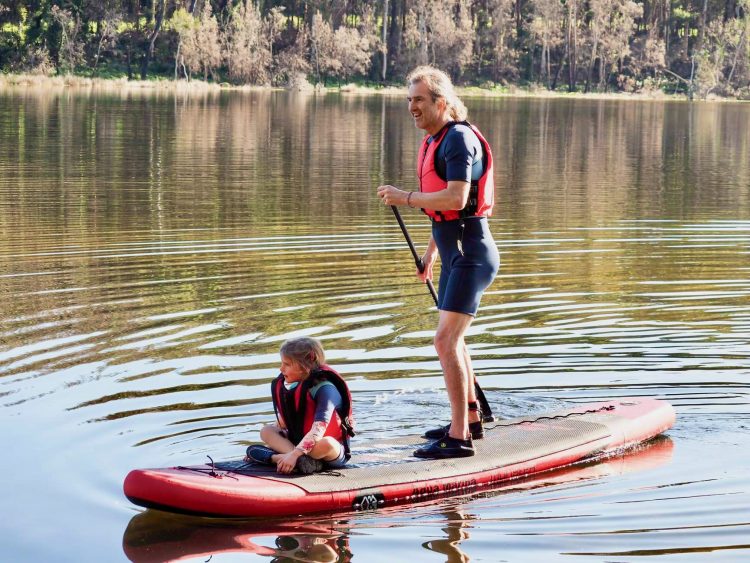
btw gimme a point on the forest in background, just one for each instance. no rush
(697, 47)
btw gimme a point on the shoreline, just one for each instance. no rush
(164, 85)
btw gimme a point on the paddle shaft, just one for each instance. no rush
(417, 260)
(483, 403)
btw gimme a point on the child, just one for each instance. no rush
(313, 413)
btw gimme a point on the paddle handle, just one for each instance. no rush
(417, 260)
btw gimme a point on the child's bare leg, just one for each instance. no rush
(273, 436)
(326, 449)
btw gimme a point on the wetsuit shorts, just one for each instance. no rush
(464, 276)
(337, 463)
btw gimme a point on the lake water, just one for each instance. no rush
(156, 249)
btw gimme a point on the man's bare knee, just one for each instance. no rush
(445, 342)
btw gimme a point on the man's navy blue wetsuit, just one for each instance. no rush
(468, 254)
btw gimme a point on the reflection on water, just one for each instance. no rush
(155, 536)
(157, 249)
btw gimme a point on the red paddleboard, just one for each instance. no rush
(387, 474)
(156, 536)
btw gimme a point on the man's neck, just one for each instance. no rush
(437, 128)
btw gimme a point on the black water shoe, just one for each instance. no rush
(446, 447)
(307, 465)
(475, 429)
(260, 454)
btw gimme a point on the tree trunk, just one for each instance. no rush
(98, 47)
(317, 60)
(519, 17)
(394, 36)
(737, 51)
(161, 8)
(604, 75)
(730, 10)
(697, 47)
(191, 11)
(667, 29)
(702, 26)
(573, 44)
(590, 70)
(542, 63)
(384, 43)
(423, 47)
(177, 59)
(128, 60)
(560, 67)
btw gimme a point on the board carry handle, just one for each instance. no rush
(484, 405)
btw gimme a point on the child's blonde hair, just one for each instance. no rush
(305, 351)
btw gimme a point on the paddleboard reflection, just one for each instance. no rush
(160, 536)
(154, 535)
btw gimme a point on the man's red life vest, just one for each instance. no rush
(295, 409)
(481, 193)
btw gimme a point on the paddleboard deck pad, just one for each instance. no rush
(387, 474)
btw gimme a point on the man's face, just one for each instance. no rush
(427, 114)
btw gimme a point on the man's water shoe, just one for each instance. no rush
(446, 447)
(475, 428)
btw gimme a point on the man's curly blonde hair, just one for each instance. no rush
(440, 86)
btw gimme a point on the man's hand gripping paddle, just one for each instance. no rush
(487, 415)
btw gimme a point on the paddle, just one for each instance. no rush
(417, 259)
(487, 415)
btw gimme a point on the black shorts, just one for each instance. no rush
(464, 276)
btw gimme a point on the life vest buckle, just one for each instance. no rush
(348, 424)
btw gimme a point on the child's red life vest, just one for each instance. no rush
(481, 193)
(295, 409)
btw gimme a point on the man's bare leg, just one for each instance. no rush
(474, 416)
(451, 350)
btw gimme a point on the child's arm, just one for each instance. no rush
(317, 431)
(327, 400)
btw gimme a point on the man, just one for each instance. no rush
(456, 191)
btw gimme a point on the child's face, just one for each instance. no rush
(292, 371)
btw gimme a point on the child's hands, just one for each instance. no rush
(288, 462)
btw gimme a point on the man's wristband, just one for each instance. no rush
(408, 199)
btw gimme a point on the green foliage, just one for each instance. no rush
(680, 14)
(182, 22)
